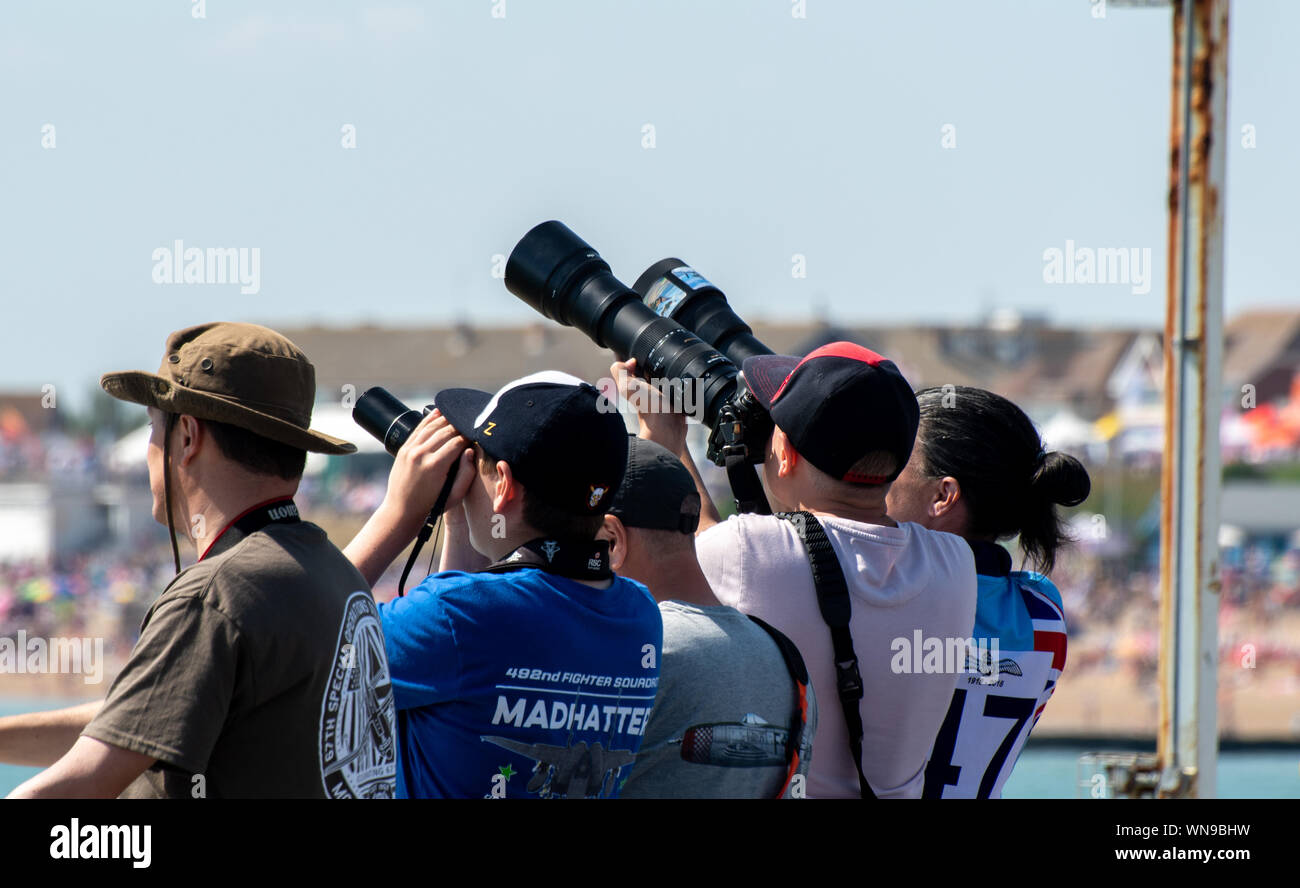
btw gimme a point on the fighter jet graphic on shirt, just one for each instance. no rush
(753, 742)
(574, 771)
(983, 664)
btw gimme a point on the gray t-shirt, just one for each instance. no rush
(722, 713)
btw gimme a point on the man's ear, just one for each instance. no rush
(191, 435)
(947, 493)
(613, 530)
(505, 488)
(783, 450)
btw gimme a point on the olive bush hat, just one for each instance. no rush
(240, 374)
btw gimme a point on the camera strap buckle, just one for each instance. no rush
(848, 681)
(727, 441)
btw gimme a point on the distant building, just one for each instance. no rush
(1111, 377)
(23, 413)
(1262, 349)
(44, 520)
(1038, 366)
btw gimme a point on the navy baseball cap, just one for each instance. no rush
(564, 441)
(657, 492)
(836, 405)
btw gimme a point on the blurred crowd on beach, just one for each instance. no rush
(1111, 599)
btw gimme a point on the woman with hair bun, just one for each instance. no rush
(979, 470)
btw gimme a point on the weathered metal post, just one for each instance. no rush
(1187, 745)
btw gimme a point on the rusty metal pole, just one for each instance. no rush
(1187, 743)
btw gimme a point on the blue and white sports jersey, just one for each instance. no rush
(520, 685)
(1009, 680)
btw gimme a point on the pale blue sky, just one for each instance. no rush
(774, 136)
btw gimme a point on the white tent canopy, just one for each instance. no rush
(1066, 431)
(128, 452)
(336, 420)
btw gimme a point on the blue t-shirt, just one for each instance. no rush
(521, 684)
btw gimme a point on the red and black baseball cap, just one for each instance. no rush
(836, 405)
(564, 441)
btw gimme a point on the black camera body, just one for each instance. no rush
(741, 431)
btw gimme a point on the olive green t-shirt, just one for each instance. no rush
(260, 672)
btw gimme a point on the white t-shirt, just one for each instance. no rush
(902, 581)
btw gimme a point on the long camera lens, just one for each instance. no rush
(673, 289)
(564, 279)
(386, 419)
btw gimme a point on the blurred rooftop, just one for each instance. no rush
(1037, 365)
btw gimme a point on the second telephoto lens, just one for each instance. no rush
(673, 289)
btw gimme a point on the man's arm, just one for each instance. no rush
(709, 515)
(419, 471)
(92, 769)
(38, 739)
(664, 427)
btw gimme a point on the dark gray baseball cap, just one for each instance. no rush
(657, 492)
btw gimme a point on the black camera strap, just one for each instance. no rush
(576, 559)
(748, 490)
(836, 607)
(730, 447)
(430, 523)
(282, 510)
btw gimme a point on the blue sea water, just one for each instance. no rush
(1052, 772)
(1045, 772)
(11, 775)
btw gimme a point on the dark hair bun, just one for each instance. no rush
(994, 451)
(1061, 479)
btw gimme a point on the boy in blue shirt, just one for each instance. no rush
(524, 668)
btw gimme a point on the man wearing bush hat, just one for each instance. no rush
(260, 671)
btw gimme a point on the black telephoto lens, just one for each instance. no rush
(563, 278)
(673, 289)
(385, 418)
